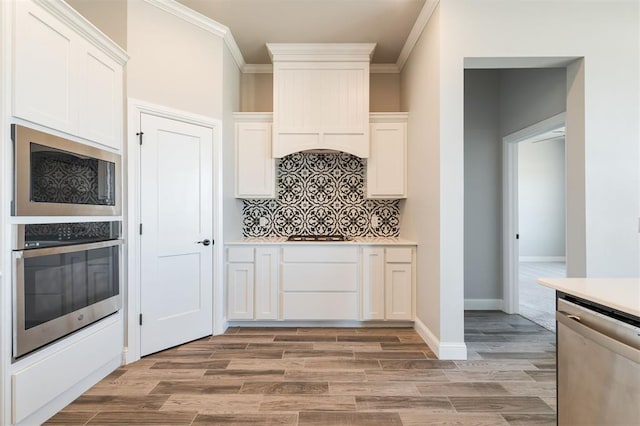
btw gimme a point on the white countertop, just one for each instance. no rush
(622, 294)
(355, 241)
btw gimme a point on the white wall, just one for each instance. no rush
(541, 199)
(602, 133)
(482, 187)
(501, 28)
(439, 313)
(173, 62)
(110, 16)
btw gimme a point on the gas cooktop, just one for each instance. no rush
(318, 238)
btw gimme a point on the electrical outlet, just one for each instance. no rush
(375, 221)
(263, 222)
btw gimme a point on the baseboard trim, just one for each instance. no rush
(483, 304)
(542, 259)
(443, 350)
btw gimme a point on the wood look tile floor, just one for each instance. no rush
(334, 376)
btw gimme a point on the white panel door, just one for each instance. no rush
(372, 283)
(176, 211)
(398, 291)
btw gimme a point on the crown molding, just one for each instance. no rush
(75, 20)
(333, 52)
(199, 20)
(388, 117)
(252, 117)
(419, 26)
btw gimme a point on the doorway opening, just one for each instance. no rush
(534, 182)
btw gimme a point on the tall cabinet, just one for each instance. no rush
(60, 75)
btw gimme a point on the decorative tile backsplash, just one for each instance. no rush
(320, 194)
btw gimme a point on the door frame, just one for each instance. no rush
(510, 248)
(132, 294)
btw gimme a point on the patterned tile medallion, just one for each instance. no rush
(321, 194)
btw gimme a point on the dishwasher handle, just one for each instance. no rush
(573, 322)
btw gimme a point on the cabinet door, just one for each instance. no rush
(266, 283)
(398, 289)
(387, 164)
(255, 168)
(372, 283)
(240, 279)
(45, 60)
(101, 98)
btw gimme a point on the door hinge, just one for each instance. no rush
(140, 229)
(139, 134)
(517, 235)
(140, 319)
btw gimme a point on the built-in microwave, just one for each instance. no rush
(57, 177)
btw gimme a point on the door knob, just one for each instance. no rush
(204, 242)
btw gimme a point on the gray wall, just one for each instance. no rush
(541, 199)
(109, 16)
(497, 103)
(482, 185)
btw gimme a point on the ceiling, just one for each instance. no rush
(256, 22)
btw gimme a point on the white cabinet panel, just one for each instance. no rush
(45, 62)
(240, 284)
(372, 283)
(266, 283)
(398, 291)
(255, 168)
(387, 163)
(320, 306)
(101, 110)
(320, 253)
(320, 277)
(66, 75)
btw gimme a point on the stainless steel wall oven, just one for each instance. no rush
(58, 177)
(67, 276)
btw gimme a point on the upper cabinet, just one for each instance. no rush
(387, 162)
(321, 97)
(255, 167)
(66, 74)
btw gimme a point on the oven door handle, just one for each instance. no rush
(69, 249)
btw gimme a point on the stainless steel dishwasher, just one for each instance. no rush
(598, 366)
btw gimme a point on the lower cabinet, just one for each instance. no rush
(387, 283)
(252, 283)
(274, 282)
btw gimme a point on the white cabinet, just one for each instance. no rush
(320, 283)
(266, 283)
(66, 74)
(255, 167)
(320, 97)
(387, 162)
(388, 283)
(252, 283)
(373, 283)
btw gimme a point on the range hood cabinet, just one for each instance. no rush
(321, 97)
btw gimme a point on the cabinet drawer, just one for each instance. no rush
(326, 253)
(240, 254)
(320, 277)
(398, 255)
(320, 306)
